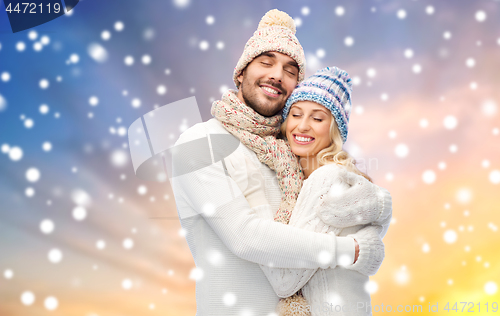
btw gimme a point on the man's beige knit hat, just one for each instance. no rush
(275, 33)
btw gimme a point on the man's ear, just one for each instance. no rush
(240, 77)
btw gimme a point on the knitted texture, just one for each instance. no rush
(276, 32)
(243, 239)
(362, 201)
(295, 305)
(287, 281)
(371, 250)
(317, 285)
(258, 133)
(330, 87)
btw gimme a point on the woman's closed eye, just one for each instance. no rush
(314, 118)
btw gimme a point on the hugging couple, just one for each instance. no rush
(286, 224)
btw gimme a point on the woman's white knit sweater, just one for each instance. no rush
(336, 201)
(228, 240)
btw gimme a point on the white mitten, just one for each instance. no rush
(353, 200)
(247, 177)
(371, 250)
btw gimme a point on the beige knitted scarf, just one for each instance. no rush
(259, 133)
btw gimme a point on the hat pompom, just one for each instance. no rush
(276, 17)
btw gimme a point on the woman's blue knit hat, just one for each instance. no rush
(331, 87)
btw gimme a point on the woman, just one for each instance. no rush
(315, 125)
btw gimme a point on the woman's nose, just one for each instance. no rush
(303, 125)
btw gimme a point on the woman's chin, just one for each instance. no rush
(300, 152)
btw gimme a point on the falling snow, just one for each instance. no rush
(401, 14)
(489, 108)
(3, 103)
(79, 213)
(27, 298)
(429, 177)
(47, 226)
(371, 287)
(104, 71)
(44, 109)
(340, 11)
(97, 52)
(210, 20)
(106, 35)
(51, 303)
(204, 45)
(450, 122)
(229, 299)
(490, 288)
(128, 243)
(32, 174)
(494, 176)
(44, 83)
(481, 16)
(402, 276)
(55, 255)
(408, 53)
(401, 150)
(15, 153)
(47, 146)
(450, 236)
(146, 59)
(119, 26)
(37, 46)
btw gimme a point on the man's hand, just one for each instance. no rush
(356, 254)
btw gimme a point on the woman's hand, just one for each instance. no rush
(247, 177)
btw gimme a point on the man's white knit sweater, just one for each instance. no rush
(228, 240)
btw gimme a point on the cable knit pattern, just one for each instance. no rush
(286, 282)
(371, 250)
(333, 200)
(259, 133)
(236, 235)
(385, 205)
(319, 284)
(352, 200)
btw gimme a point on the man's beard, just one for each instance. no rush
(251, 98)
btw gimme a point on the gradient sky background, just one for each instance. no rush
(425, 116)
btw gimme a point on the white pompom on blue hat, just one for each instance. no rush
(330, 87)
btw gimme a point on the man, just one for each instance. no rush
(226, 238)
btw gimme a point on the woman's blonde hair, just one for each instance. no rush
(333, 153)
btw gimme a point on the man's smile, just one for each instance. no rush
(271, 91)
